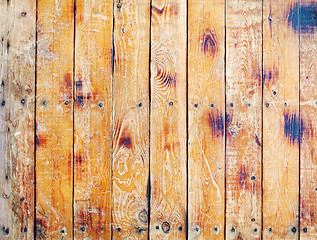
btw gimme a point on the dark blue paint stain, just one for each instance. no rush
(216, 123)
(257, 140)
(228, 122)
(148, 192)
(209, 43)
(303, 17)
(270, 76)
(78, 159)
(125, 141)
(79, 84)
(291, 127)
(168, 79)
(80, 99)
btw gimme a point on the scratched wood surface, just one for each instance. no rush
(168, 120)
(18, 27)
(244, 130)
(130, 128)
(308, 115)
(92, 119)
(54, 120)
(280, 120)
(158, 119)
(206, 126)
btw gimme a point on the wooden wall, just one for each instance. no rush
(158, 119)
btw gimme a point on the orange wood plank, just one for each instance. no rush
(308, 115)
(131, 119)
(92, 119)
(280, 120)
(54, 120)
(206, 96)
(168, 119)
(244, 104)
(17, 77)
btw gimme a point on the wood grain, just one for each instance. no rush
(280, 120)
(168, 120)
(92, 119)
(130, 132)
(17, 91)
(244, 104)
(308, 115)
(206, 99)
(54, 120)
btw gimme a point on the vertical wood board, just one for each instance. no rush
(308, 116)
(243, 119)
(168, 152)
(130, 131)
(206, 127)
(92, 119)
(17, 79)
(54, 120)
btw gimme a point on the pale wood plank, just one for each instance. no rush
(168, 119)
(17, 79)
(92, 119)
(244, 104)
(206, 96)
(131, 119)
(280, 120)
(54, 120)
(5, 164)
(308, 115)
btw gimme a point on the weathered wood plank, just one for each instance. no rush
(54, 120)
(131, 119)
(206, 130)
(244, 104)
(168, 119)
(308, 115)
(17, 79)
(280, 119)
(92, 119)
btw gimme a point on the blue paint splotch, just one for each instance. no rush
(216, 123)
(209, 43)
(270, 76)
(303, 17)
(291, 127)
